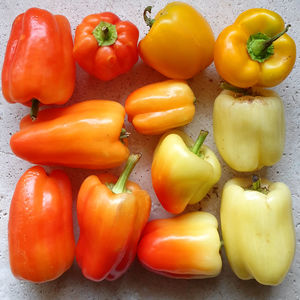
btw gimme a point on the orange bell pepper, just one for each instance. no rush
(40, 227)
(111, 216)
(255, 50)
(87, 135)
(180, 42)
(38, 63)
(157, 107)
(185, 246)
(105, 46)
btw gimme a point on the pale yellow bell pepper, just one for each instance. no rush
(249, 130)
(258, 230)
(183, 171)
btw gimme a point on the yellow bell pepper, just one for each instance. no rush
(257, 228)
(183, 171)
(249, 130)
(255, 50)
(180, 42)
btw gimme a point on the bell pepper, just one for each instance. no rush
(111, 216)
(40, 227)
(249, 130)
(105, 46)
(38, 64)
(257, 228)
(180, 42)
(87, 135)
(182, 171)
(158, 107)
(255, 50)
(185, 246)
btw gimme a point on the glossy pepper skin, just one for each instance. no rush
(249, 130)
(158, 107)
(185, 246)
(183, 171)
(40, 227)
(232, 57)
(258, 229)
(105, 46)
(83, 135)
(180, 42)
(38, 62)
(111, 222)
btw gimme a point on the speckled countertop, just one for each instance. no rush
(139, 283)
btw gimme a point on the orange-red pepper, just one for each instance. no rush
(87, 135)
(157, 107)
(40, 227)
(111, 216)
(105, 46)
(186, 246)
(38, 62)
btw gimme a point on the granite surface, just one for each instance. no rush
(139, 283)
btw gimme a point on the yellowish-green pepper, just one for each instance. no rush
(249, 129)
(257, 228)
(183, 171)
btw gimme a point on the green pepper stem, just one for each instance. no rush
(269, 42)
(105, 33)
(200, 139)
(256, 183)
(124, 134)
(260, 46)
(120, 186)
(149, 22)
(227, 86)
(35, 103)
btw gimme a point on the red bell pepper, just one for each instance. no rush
(105, 46)
(38, 63)
(40, 227)
(111, 216)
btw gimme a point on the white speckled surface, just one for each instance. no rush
(137, 282)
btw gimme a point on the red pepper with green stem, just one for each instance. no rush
(38, 65)
(111, 215)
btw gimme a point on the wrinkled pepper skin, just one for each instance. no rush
(232, 59)
(83, 135)
(249, 131)
(180, 42)
(158, 107)
(106, 61)
(40, 227)
(38, 61)
(258, 230)
(179, 176)
(185, 246)
(110, 226)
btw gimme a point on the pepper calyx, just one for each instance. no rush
(105, 33)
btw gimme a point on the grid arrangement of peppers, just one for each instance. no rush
(256, 214)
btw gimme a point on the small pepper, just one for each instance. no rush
(249, 129)
(158, 107)
(180, 42)
(255, 50)
(105, 46)
(182, 171)
(87, 135)
(111, 216)
(38, 65)
(257, 228)
(40, 227)
(185, 246)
